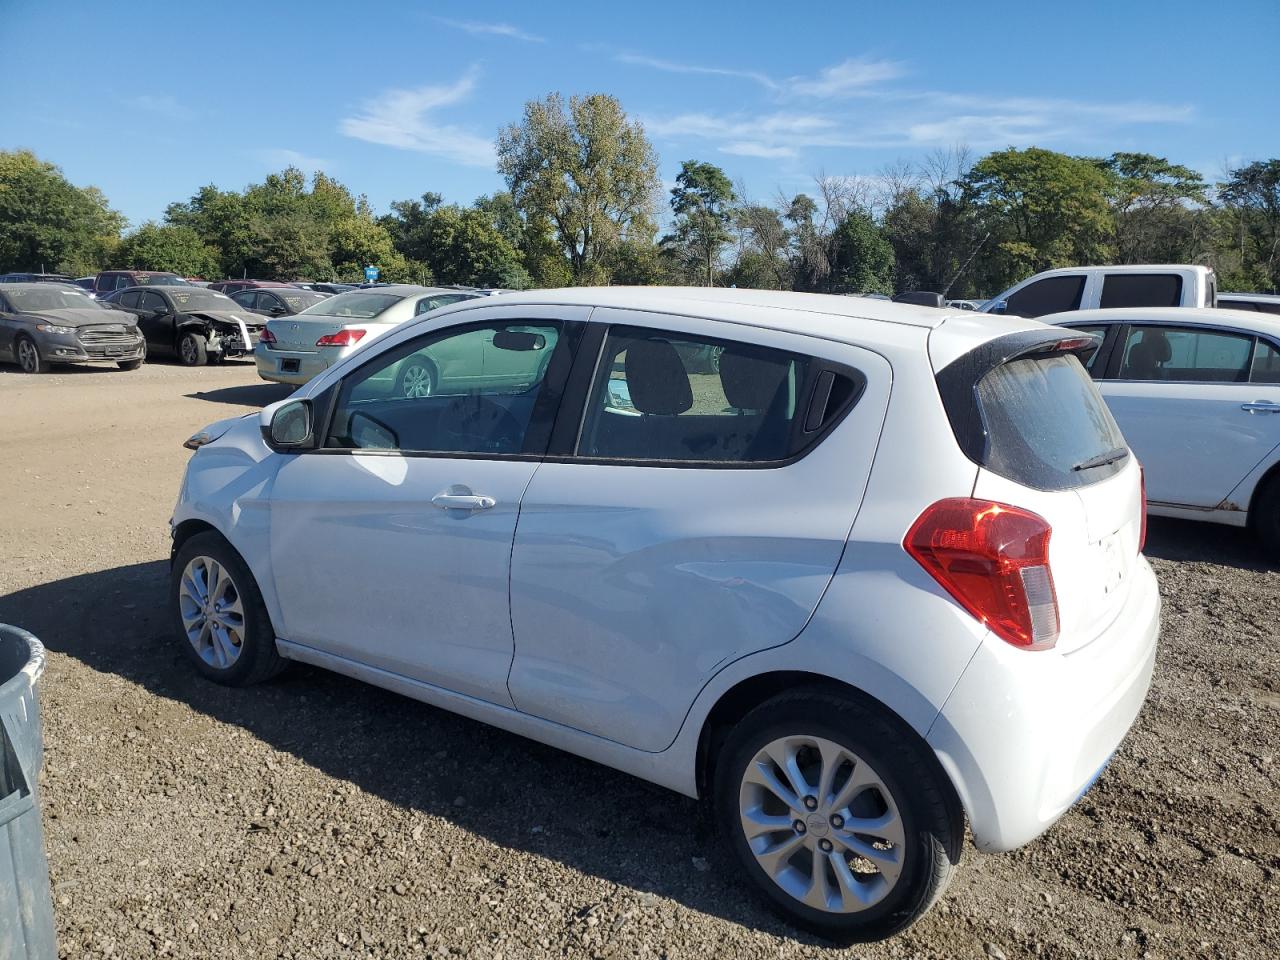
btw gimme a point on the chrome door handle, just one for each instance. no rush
(457, 501)
(1261, 406)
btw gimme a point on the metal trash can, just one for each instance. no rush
(26, 906)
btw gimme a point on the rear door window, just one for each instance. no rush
(1047, 426)
(1050, 295)
(671, 398)
(1185, 355)
(1266, 363)
(1141, 290)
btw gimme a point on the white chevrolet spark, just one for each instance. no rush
(854, 571)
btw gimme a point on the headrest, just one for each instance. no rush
(656, 379)
(750, 382)
(1158, 344)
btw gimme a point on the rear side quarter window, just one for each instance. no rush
(1141, 290)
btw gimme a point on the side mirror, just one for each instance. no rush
(276, 311)
(290, 427)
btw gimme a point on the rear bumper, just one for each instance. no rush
(289, 366)
(1025, 734)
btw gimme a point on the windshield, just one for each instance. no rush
(34, 301)
(358, 304)
(298, 299)
(198, 298)
(146, 281)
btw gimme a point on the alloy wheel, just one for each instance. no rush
(188, 349)
(212, 612)
(416, 381)
(822, 824)
(28, 358)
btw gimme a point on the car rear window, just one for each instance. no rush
(1047, 426)
(1141, 290)
(357, 304)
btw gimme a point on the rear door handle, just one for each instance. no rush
(1261, 406)
(458, 501)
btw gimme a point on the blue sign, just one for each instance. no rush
(371, 274)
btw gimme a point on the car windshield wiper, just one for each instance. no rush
(1102, 459)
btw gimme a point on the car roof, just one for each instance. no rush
(1123, 268)
(1265, 323)
(144, 273)
(818, 313)
(1250, 297)
(44, 285)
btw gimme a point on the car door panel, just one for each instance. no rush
(631, 585)
(1195, 441)
(400, 560)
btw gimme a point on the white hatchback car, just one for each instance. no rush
(1197, 395)
(852, 570)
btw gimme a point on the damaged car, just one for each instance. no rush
(45, 323)
(195, 325)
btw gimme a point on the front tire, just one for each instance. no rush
(191, 350)
(837, 814)
(29, 358)
(218, 614)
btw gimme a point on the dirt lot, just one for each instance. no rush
(318, 817)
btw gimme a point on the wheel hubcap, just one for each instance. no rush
(417, 382)
(212, 612)
(822, 824)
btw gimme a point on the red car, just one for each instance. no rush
(233, 286)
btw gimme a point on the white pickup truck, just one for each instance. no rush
(1091, 288)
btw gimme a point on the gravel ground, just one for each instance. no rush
(318, 817)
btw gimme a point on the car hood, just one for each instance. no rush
(84, 316)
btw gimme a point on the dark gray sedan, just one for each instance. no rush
(44, 323)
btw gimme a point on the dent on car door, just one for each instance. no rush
(1186, 400)
(391, 545)
(682, 533)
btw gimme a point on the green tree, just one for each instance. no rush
(357, 241)
(701, 202)
(588, 172)
(177, 249)
(1043, 210)
(458, 244)
(863, 260)
(1154, 205)
(1252, 195)
(48, 223)
(761, 257)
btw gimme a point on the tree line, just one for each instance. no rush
(584, 200)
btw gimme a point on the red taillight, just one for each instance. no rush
(994, 559)
(343, 338)
(1142, 537)
(267, 337)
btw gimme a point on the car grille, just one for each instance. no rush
(105, 336)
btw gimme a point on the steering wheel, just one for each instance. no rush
(481, 425)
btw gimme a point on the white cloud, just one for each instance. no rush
(854, 75)
(277, 157)
(669, 66)
(402, 118)
(744, 148)
(497, 29)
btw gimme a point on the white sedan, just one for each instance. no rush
(853, 571)
(1197, 394)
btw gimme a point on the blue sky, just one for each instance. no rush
(152, 100)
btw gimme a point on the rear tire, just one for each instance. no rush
(218, 614)
(29, 358)
(1265, 516)
(191, 350)
(805, 853)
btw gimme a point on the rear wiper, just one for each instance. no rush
(1102, 459)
